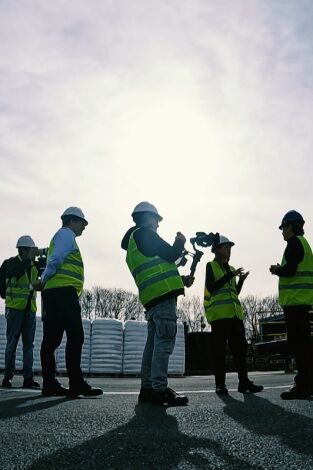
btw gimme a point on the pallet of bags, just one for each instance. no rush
(135, 335)
(3, 340)
(85, 356)
(177, 359)
(106, 346)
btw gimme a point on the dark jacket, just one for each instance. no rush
(294, 254)
(150, 244)
(15, 267)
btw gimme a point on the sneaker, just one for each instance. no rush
(168, 398)
(249, 386)
(54, 390)
(145, 395)
(221, 390)
(6, 383)
(297, 392)
(30, 383)
(84, 389)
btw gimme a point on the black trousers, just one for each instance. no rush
(61, 312)
(233, 331)
(299, 342)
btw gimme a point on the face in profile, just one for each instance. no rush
(224, 251)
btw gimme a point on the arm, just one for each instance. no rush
(212, 285)
(17, 268)
(294, 254)
(63, 245)
(151, 244)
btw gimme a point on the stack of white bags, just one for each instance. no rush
(106, 346)
(110, 347)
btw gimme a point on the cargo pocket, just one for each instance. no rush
(166, 328)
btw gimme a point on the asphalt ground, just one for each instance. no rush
(114, 432)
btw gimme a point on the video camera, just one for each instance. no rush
(41, 260)
(202, 239)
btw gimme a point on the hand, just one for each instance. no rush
(274, 267)
(188, 280)
(37, 285)
(239, 272)
(181, 237)
(243, 277)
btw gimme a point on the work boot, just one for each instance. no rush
(168, 398)
(145, 395)
(54, 390)
(30, 383)
(297, 392)
(83, 388)
(221, 390)
(6, 383)
(248, 386)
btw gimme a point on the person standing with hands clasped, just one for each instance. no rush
(296, 298)
(152, 263)
(225, 314)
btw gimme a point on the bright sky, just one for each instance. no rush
(202, 107)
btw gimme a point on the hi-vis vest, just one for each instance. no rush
(298, 289)
(69, 273)
(223, 303)
(154, 276)
(19, 290)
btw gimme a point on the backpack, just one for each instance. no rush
(3, 280)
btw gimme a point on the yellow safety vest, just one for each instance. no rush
(153, 275)
(298, 289)
(19, 290)
(223, 303)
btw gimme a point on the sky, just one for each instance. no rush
(200, 107)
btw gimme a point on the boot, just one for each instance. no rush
(30, 383)
(248, 386)
(168, 398)
(297, 392)
(54, 389)
(6, 383)
(221, 390)
(83, 388)
(145, 395)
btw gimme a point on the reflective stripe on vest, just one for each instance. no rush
(69, 273)
(223, 303)
(19, 290)
(298, 289)
(154, 276)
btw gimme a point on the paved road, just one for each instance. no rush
(113, 432)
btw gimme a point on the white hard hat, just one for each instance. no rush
(222, 241)
(25, 242)
(146, 207)
(75, 211)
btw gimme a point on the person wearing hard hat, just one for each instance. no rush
(20, 313)
(62, 284)
(225, 314)
(296, 298)
(152, 263)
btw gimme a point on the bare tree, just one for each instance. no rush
(191, 312)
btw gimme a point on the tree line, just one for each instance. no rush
(120, 304)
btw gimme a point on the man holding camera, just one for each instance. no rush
(152, 263)
(20, 313)
(62, 284)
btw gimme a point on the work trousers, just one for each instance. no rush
(61, 313)
(160, 344)
(300, 343)
(229, 330)
(19, 323)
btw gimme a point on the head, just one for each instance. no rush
(146, 219)
(222, 252)
(26, 247)
(291, 229)
(292, 225)
(76, 224)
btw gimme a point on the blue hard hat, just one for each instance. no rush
(291, 216)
